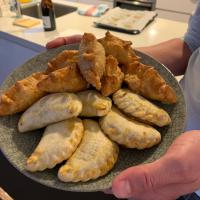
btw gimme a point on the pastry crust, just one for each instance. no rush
(112, 78)
(145, 80)
(140, 108)
(63, 59)
(94, 104)
(92, 60)
(128, 132)
(118, 48)
(67, 79)
(57, 144)
(95, 156)
(21, 95)
(50, 109)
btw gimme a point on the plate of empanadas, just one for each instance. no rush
(74, 117)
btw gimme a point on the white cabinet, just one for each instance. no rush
(179, 10)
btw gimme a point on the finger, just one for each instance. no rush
(146, 178)
(63, 41)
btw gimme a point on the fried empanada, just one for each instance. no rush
(50, 109)
(63, 59)
(118, 48)
(145, 80)
(128, 132)
(92, 60)
(67, 79)
(94, 104)
(112, 78)
(57, 144)
(94, 157)
(140, 108)
(21, 95)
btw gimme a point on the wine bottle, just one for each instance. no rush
(48, 15)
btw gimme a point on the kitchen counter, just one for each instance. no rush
(157, 31)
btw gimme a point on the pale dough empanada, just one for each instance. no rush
(21, 95)
(92, 60)
(140, 108)
(146, 80)
(112, 78)
(94, 104)
(67, 79)
(94, 157)
(118, 48)
(128, 132)
(50, 109)
(57, 144)
(63, 59)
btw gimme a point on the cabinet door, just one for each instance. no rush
(183, 6)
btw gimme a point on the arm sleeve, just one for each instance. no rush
(192, 36)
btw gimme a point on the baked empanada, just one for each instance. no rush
(63, 59)
(118, 48)
(112, 78)
(50, 109)
(128, 132)
(67, 79)
(57, 144)
(94, 104)
(21, 95)
(92, 60)
(140, 108)
(94, 157)
(145, 80)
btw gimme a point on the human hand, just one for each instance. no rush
(175, 174)
(63, 41)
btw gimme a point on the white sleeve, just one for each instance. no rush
(192, 36)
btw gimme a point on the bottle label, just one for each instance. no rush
(46, 21)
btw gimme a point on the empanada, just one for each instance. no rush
(140, 108)
(94, 157)
(145, 80)
(112, 78)
(21, 95)
(94, 104)
(67, 79)
(57, 144)
(128, 132)
(118, 48)
(63, 59)
(92, 60)
(50, 109)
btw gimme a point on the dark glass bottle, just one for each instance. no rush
(48, 15)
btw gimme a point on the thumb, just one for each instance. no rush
(145, 179)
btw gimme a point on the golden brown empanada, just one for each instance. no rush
(94, 157)
(21, 95)
(112, 78)
(92, 60)
(63, 59)
(118, 48)
(57, 144)
(94, 104)
(67, 79)
(50, 109)
(128, 132)
(145, 80)
(140, 108)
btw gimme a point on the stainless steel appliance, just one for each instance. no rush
(136, 4)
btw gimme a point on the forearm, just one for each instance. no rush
(174, 54)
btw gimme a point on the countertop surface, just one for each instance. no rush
(157, 31)
(16, 184)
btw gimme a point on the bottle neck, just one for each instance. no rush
(47, 3)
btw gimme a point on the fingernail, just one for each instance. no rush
(123, 190)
